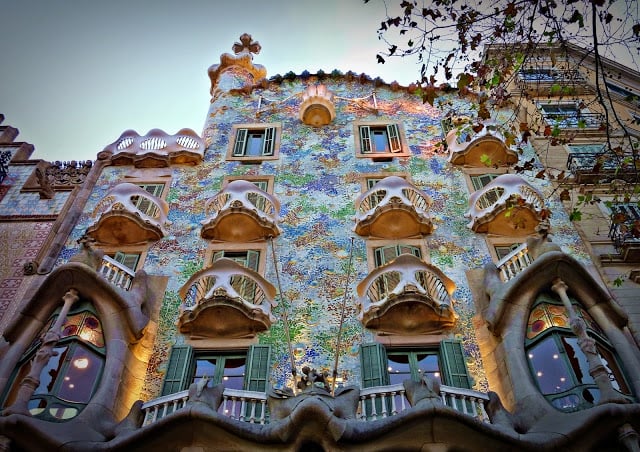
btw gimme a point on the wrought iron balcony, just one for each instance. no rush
(241, 212)
(129, 215)
(575, 120)
(406, 296)
(539, 81)
(477, 145)
(116, 273)
(393, 208)
(506, 206)
(625, 232)
(600, 167)
(226, 299)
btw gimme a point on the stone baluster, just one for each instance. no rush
(31, 382)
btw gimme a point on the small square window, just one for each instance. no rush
(380, 141)
(254, 142)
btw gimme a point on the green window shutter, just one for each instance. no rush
(409, 249)
(253, 259)
(453, 364)
(178, 370)
(257, 370)
(373, 365)
(241, 142)
(365, 139)
(154, 189)
(394, 138)
(129, 260)
(268, 141)
(217, 255)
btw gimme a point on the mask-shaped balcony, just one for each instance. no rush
(241, 212)
(226, 300)
(506, 206)
(406, 296)
(157, 149)
(393, 208)
(478, 147)
(129, 215)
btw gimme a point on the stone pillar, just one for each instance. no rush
(44, 353)
(588, 347)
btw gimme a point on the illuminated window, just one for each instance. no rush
(71, 376)
(558, 364)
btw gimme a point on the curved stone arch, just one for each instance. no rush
(123, 320)
(508, 311)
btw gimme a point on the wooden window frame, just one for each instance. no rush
(235, 133)
(403, 146)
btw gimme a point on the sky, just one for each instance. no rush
(75, 74)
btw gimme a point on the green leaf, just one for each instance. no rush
(575, 215)
(618, 281)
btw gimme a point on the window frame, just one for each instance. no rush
(373, 244)
(394, 132)
(492, 242)
(260, 247)
(236, 133)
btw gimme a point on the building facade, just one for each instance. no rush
(332, 265)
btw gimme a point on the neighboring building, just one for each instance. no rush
(317, 271)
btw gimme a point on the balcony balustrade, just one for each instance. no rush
(475, 145)
(515, 262)
(116, 273)
(574, 120)
(129, 215)
(506, 206)
(406, 296)
(625, 234)
(241, 212)
(226, 299)
(251, 407)
(393, 208)
(541, 81)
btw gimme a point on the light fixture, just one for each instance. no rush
(81, 363)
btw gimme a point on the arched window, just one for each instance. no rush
(71, 376)
(558, 364)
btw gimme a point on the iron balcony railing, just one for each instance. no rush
(577, 120)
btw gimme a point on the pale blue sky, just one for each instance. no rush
(75, 74)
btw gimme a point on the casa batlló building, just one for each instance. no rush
(331, 265)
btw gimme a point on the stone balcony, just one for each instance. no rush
(506, 206)
(116, 273)
(317, 107)
(156, 149)
(241, 212)
(129, 215)
(393, 208)
(479, 145)
(406, 296)
(227, 300)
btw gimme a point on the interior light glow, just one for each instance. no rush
(81, 363)
(539, 374)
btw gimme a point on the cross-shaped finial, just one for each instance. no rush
(246, 45)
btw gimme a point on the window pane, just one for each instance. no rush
(81, 375)
(615, 375)
(50, 372)
(549, 369)
(205, 367)
(398, 368)
(254, 143)
(234, 369)
(577, 359)
(380, 141)
(428, 365)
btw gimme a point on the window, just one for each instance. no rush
(539, 75)
(380, 141)
(246, 369)
(503, 251)
(385, 254)
(145, 205)
(558, 364)
(71, 376)
(444, 362)
(480, 180)
(626, 94)
(245, 287)
(254, 142)
(129, 260)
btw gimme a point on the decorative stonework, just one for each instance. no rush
(508, 205)
(47, 177)
(156, 149)
(317, 107)
(237, 72)
(479, 145)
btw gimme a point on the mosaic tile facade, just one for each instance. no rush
(317, 179)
